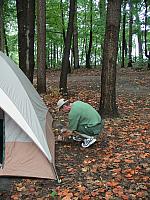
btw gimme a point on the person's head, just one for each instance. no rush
(63, 105)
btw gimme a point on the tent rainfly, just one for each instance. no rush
(27, 143)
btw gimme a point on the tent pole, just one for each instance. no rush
(57, 177)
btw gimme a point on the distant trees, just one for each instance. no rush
(70, 35)
(88, 33)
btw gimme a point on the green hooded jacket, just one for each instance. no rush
(83, 115)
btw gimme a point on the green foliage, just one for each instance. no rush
(11, 28)
(53, 194)
(54, 27)
(53, 20)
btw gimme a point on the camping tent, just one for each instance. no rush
(26, 134)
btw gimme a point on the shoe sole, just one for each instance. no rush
(77, 140)
(92, 142)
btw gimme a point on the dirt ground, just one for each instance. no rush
(117, 166)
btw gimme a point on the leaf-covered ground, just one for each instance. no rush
(117, 166)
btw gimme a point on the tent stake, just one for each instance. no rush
(57, 177)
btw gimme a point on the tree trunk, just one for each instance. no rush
(6, 46)
(126, 48)
(2, 40)
(123, 34)
(41, 46)
(26, 26)
(146, 51)
(51, 54)
(108, 107)
(84, 39)
(22, 32)
(30, 39)
(95, 53)
(139, 34)
(63, 23)
(102, 11)
(66, 53)
(75, 40)
(88, 53)
(130, 33)
(48, 56)
(82, 53)
(63, 29)
(54, 55)
(57, 56)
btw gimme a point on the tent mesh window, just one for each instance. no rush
(2, 137)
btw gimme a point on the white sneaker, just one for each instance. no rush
(77, 138)
(88, 142)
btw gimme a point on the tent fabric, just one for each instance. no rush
(22, 102)
(27, 119)
(18, 135)
(25, 160)
(1, 114)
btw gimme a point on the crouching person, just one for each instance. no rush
(85, 123)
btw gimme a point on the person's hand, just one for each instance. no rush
(63, 130)
(61, 135)
(66, 133)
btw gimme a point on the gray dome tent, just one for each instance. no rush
(28, 139)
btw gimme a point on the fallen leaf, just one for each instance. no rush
(108, 195)
(128, 161)
(86, 197)
(81, 188)
(116, 170)
(116, 161)
(128, 175)
(94, 193)
(112, 183)
(15, 197)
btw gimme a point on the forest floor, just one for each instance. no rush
(117, 166)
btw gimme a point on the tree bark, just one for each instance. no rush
(41, 46)
(123, 34)
(22, 31)
(30, 39)
(54, 55)
(108, 107)
(102, 11)
(66, 53)
(63, 23)
(26, 26)
(84, 39)
(75, 40)
(2, 40)
(95, 53)
(88, 53)
(130, 33)
(51, 55)
(6, 45)
(139, 34)
(146, 51)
